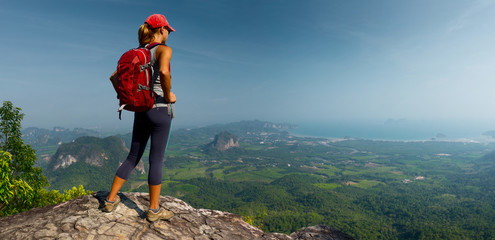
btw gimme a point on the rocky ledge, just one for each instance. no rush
(82, 218)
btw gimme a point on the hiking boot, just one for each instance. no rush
(110, 206)
(161, 214)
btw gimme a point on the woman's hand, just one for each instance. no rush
(172, 98)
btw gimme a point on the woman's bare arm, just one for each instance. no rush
(164, 54)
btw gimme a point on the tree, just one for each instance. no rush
(14, 194)
(23, 156)
(21, 182)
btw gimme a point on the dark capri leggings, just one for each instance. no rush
(155, 123)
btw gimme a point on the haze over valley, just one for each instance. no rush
(366, 188)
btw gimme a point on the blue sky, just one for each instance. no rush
(276, 60)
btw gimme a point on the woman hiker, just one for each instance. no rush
(154, 123)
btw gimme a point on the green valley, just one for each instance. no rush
(368, 189)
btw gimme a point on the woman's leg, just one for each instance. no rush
(116, 185)
(140, 136)
(159, 138)
(155, 196)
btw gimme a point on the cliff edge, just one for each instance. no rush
(82, 218)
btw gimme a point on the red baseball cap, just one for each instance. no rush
(158, 20)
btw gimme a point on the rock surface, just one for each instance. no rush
(82, 218)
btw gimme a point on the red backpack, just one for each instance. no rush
(135, 83)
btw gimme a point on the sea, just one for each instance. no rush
(401, 130)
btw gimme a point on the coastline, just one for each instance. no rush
(479, 139)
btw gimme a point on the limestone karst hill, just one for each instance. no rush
(223, 142)
(82, 218)
(86, 160)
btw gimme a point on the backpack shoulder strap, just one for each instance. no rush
(150, 46)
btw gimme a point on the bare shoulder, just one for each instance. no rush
(164, 49)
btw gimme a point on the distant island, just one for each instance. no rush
(489, 133)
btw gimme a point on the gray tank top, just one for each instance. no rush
(157, 87)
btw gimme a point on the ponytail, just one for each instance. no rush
(146, 34)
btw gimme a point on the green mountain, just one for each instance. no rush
(89, 161)
(46, 141)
